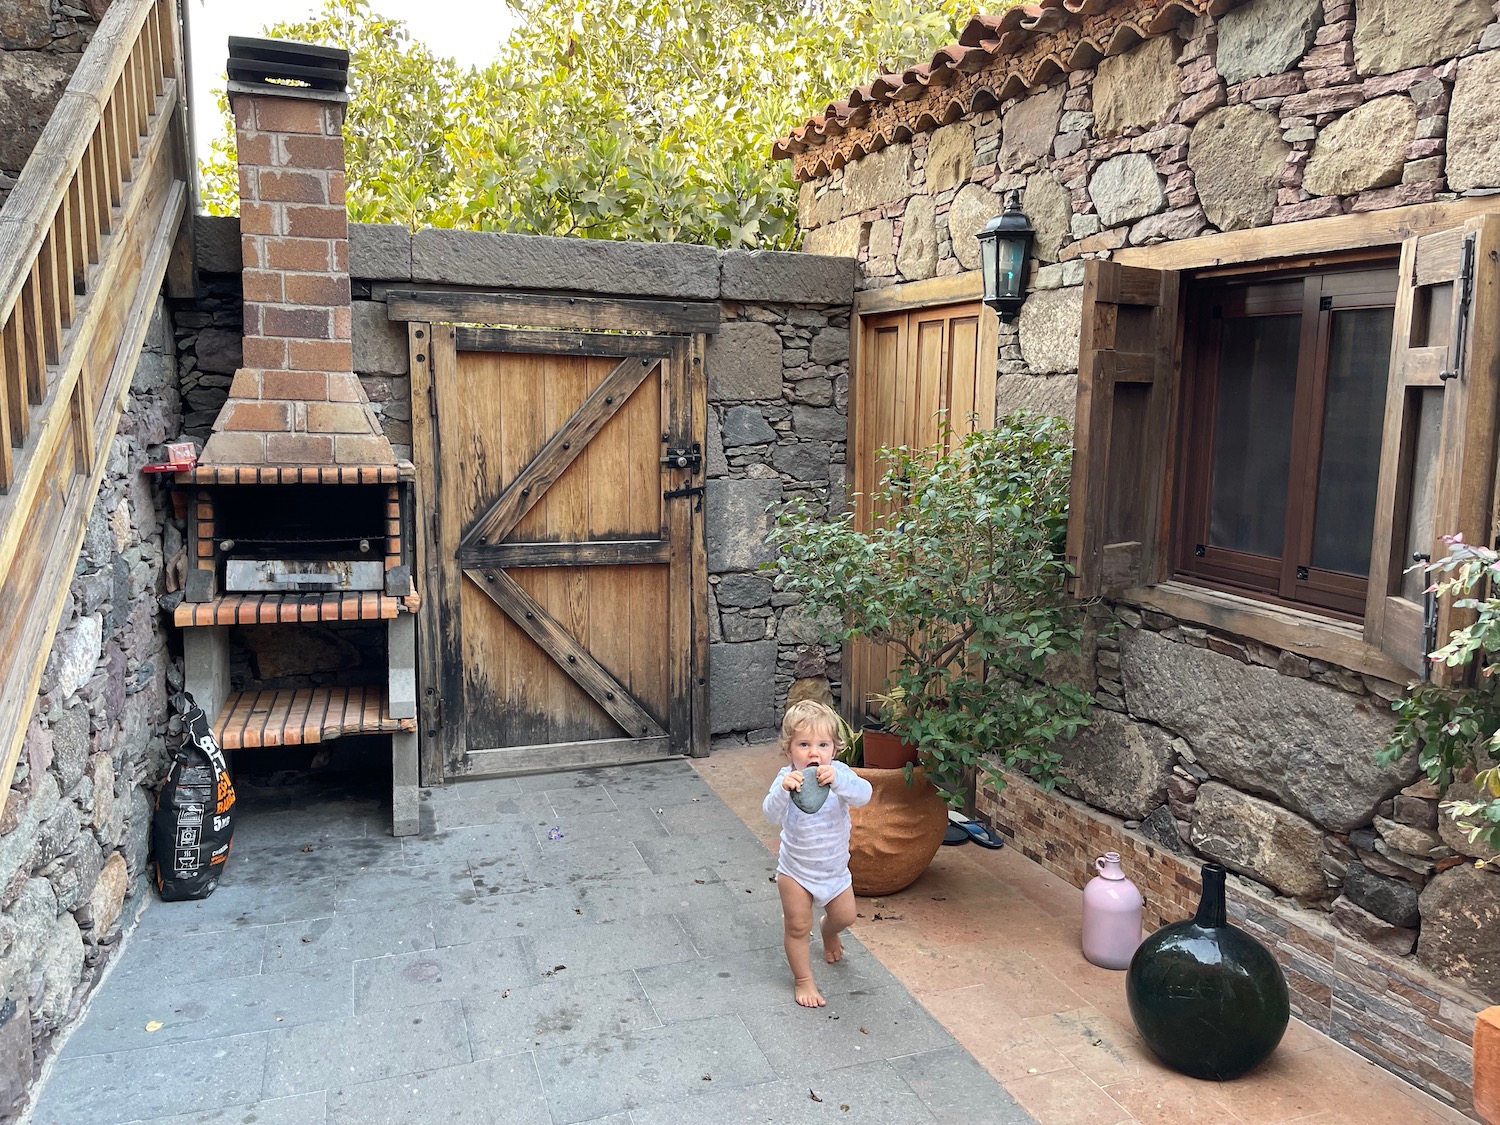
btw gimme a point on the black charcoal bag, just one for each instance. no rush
(194, 823)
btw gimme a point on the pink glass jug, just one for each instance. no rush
(1111, 915)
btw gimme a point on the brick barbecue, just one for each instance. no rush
(299, 506)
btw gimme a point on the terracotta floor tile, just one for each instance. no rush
(988, 941)
(1004, 1043)
(1071, 1097)
(1098, 1046)
(1164, 1098)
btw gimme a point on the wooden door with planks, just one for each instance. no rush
(566, 560)
(917, 371)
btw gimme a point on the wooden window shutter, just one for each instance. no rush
(1438, 454)
(1127, 384)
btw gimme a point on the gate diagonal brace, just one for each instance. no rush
(570, 655)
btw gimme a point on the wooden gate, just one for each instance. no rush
(915, 368)
(562, 476)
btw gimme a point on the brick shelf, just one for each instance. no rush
(254, 719)
(275, 609)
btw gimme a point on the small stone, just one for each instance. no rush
(1460, 938)
(918, 253)
(1395, 35)
(1393, 899)
(1408, 838)
(1266, 37)
(1473, 140)
(1259, 839)
(1364, 149)
(1126, 188)
(1359, 923)
(1136, 89)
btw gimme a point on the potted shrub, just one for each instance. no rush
(962, 572)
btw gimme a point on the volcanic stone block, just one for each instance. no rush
(741, 682)
(1259, 839)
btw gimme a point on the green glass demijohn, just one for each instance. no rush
(1208, 998)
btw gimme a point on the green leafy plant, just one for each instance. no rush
(1455, 730)
(962, 572)
(851, 753)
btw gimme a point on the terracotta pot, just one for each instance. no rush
(895, 836)
(883, 750)
(1487, 1065)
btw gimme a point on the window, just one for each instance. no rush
(1283, 406)
(1266, 452)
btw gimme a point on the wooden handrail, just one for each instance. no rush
(55, 220)
(84, 242)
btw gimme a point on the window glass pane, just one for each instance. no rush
(1253, 432)
(1359, 353)
(1423, 488)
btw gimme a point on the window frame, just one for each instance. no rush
(1119, 539)
(1314, 295)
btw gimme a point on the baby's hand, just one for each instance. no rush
(792, 781)
(825, 774)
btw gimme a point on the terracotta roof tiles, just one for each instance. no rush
(996, 58)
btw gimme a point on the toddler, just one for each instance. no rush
(813, 867)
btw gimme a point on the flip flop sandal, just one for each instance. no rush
(981, 834)
(955, 834)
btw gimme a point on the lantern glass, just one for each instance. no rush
(1010, 266)
(987, 252)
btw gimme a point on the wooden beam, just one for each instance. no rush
(623, 552)
(504, 761)
(1308, 634)
(1312, 236)
(535, 310)
(921, 294)
(572, 657)
(559, 343)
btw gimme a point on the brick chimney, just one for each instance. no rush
(297, 400)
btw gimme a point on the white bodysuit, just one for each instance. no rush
(815, 846)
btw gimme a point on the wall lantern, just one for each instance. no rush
(1004, 246)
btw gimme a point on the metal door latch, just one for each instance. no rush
(689, 457)
(684, 492)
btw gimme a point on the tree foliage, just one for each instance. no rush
(638, 119)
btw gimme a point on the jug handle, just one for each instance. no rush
(1099, 864)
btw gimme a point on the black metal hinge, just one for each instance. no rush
(1463, 296)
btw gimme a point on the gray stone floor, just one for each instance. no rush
(628, 973)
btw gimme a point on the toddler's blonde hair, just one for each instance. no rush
(810, 713)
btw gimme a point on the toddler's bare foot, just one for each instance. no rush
(807, 992)
(833, 945)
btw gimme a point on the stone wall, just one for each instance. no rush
(778, 386)
(1204, 742)
(75, 832)
(41, 42)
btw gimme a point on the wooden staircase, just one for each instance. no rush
(85, 240)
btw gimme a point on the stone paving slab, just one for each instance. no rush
(339, 976)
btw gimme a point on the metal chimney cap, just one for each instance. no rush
(284, 65)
